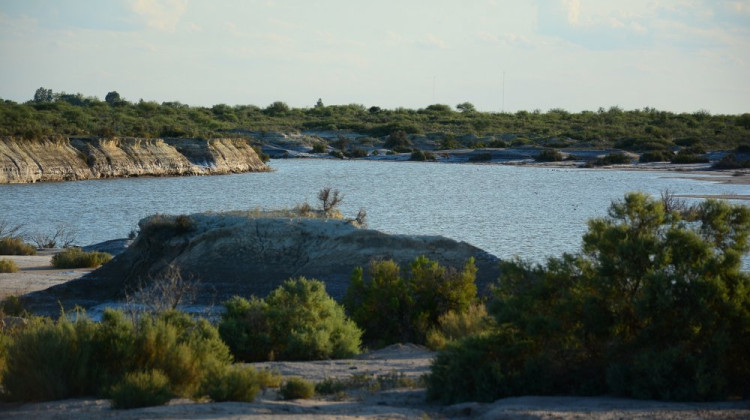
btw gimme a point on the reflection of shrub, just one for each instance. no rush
(297, 321)
(77, 258)
(15, 246)
(141, 389)
(392, 307)
(297, 388)
(8, 266)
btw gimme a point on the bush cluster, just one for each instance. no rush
(135, 362)
(15, 246)
(77, 258)
(392, 307)
(297, 321)
(655, 307)
(732, 161)
(297, 388)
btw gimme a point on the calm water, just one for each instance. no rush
(506, 210)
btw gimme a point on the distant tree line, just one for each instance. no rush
(641, 130)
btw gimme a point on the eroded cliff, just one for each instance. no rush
(246, 254)
(63, 159)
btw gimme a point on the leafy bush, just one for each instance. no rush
(15, 246)
(8, 266)
(77, 258)
(297, 388)
(141, 389)
(655, 306)
(297, 321)
(549, 155)
(392, 308)
(232, 384)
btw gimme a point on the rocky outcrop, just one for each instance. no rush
(245, 254)
(63, 159)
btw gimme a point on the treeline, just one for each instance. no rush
(647, 129)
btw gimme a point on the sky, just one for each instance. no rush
(500, 55)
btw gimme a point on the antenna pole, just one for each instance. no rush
(503, 92)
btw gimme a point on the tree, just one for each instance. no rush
(319, 104)
(43, 95)
(113, 98)
(466, 107)
(277, 108)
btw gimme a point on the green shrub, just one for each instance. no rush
(319, 148)
(141, 389)
(15, 246)
(232, 384)
(393, 308)
(8, 266)
(655, 306)
(549, 155)
(12, 306)
(297, 321)
(297, 388)
(330, 386)
(77, 258)
(161, 224)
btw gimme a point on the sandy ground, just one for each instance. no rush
(36, 273)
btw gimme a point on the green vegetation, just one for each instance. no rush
(58, 113)
(77, 258)
(616, 158)
(732, 161)
(237, 383)
(297, 388)
(654, 307)
(8, 266)
(297, 321)
(15, 246)
(369, 382)
(392, 308)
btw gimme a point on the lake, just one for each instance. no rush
(530, 212)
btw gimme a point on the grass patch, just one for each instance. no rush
(77, 258)
(15, 246)
(8, 266)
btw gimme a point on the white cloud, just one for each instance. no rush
(574, 11)
(163, 15)
(741, 7)
(432, 41)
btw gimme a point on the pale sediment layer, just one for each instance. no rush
(69, 159)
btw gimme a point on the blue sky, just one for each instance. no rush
(676, 55)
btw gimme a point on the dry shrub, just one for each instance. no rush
(77, 258)
(8, 266)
